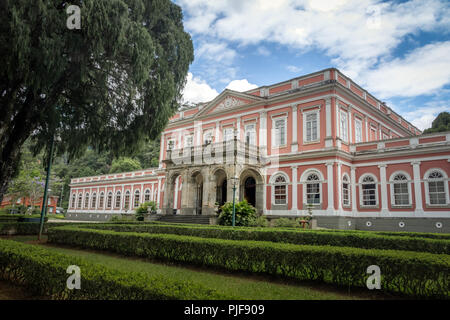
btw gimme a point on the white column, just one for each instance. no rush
(294, 189)
(159, 192)
(141, 195)
(367, 129)
(383, 185)
(339, 187)
(353, 186)
(330, 208)
(350, 122)
(328, 138)
(238, 128)
(263, 132)
(153, 192)
(217, 132)
(417, 187)
(122, 198)
(264, 176)
(294, 146)
(175, 201)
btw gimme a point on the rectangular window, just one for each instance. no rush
(250, 134)
(207, 137)
(344, 126)
(311, 127)
(189, 141)
(279, 132)
(358, 131)
(228, 134)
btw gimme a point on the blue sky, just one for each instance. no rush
(399, 51)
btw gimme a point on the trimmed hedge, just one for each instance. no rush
(20, 228)
(343, 239)
(43, 272)
(411, 273)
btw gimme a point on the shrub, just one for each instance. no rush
(43, 272)
(362, 239)
(411, 273)
(19, 228)
(260, 221)
(286, 222)
(244, 214)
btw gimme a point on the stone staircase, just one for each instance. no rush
(195, 219)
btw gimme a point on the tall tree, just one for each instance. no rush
(110, 84)
(440, 124)
(124, 164)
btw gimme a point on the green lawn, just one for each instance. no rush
(245, 286)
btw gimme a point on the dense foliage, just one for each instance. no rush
(245, 214)
(43, 273)
(412, 273)
(440, 124)
(111, 84)
(342, 239)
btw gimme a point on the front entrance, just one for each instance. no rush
(250, 191)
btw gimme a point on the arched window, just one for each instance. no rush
(368, 191)
(437, 188)
(86, 200)
(101, 200)
(400, 190)
(109, 200)
(345, 191)
(74, 200)
(118, 195)
(127, 200)
(280, 190)
(137, 198)
(313, 189)
(147, 195)
(94, 200)
(80, 200)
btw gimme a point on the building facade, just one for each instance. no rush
(52, 203)
(318, 141)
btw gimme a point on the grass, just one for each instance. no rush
(247, 286)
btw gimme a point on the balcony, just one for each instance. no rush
(225, 152)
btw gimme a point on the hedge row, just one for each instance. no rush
(411, 273)
(20, 228)
(343, 239)
(43, 272)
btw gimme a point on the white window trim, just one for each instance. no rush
(115, 200)
(408, 182)
(224, 129)
(360, 184)
(273, 184)
(349, 191)
(304, 116)
(86, 194)
(427, 192)
(186, 140)
(112, 200)
(343, 135)
(273, 142)
(206, 132)
(96, 199)
(149, 194)
(358, 121)
(304, 182)
(137, 191)
(246, 130)
(129, 199)
(101, 194)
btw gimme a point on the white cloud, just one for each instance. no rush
(356, 34)
(263, 51)
(293, 69)
(197, 90)
(241, 85)
(422, 71)
(218, 52)
(422, 117)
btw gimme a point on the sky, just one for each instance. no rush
(399, 51)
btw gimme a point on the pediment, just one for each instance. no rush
(228, 100)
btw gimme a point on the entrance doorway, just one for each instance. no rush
(250, 191)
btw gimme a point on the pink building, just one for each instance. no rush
(318, 141)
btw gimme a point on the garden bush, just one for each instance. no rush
(364, 239)
(410, 273)
(245, 214)
(43, 273)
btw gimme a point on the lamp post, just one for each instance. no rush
(44, 201)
